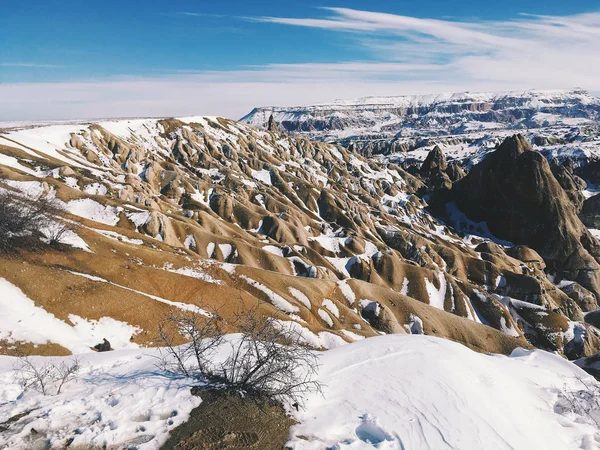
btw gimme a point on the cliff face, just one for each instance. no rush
(386, 117)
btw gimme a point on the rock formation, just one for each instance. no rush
(514, 191)
(433, 170)
(590, 212)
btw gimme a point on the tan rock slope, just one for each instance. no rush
(213, 213)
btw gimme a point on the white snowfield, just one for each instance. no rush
(120, 400)
(416, 392)
(390, 392)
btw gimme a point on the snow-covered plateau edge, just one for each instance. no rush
(388, 392)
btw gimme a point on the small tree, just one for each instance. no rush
(47, 378)
(27, 221)
(268, 358)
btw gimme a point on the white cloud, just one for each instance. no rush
(411, 56)
(28, 65)
(532, 50)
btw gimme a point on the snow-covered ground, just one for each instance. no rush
(417, 392)
(120, 399)
(389, 392)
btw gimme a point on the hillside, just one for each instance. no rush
(212, 213)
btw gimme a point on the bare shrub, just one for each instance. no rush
(267, 359)
(582, 402)
(28, 221)
(204, 334)
(48, 378)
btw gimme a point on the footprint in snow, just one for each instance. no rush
(371, 433)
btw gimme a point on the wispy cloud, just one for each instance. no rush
(29, 65)
(531, 49)
(198, 14)
(407, 56)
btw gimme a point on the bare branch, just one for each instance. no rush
(268, 359)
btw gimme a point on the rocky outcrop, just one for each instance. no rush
(272, 125)
(581, 296)
(455, 172)
(526, 255)
(571, 183)
(433, 170)
(514, 191)
(590, 212)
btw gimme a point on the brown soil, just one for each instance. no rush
(226, 421)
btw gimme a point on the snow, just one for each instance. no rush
(276, 300)
(95, 189)
(139, 218)
(421, 392)
(404, 288)
(352, 336)
(72, 183)
(190, 242)
(325, 317)
(273, 249)
(323, 339)
(415, 326)
(332, 307)
(376, 118)
(47, 140)
(330, 243)
(31, 189)
(226, 250)
(389, 393)
(9, 161)
(347, 291)
(262, 175)
(118, 237)
(193, 272)
(119, 400)
(92, 210)
(300, 296)
(436, 296)
(65, 236)
(22, 320)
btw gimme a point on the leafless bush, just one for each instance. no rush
(267, 359)
(27, 221)
(48, 378)
(583, 402)
(204, 335)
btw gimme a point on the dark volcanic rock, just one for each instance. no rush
(515, 192)
(433, 170)
(571, 183)
(435, 161)
(590, 212)
(455, 172)
(589, 170)
(580, 295)
(527, 255)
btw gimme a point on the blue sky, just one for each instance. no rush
(69, 59)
